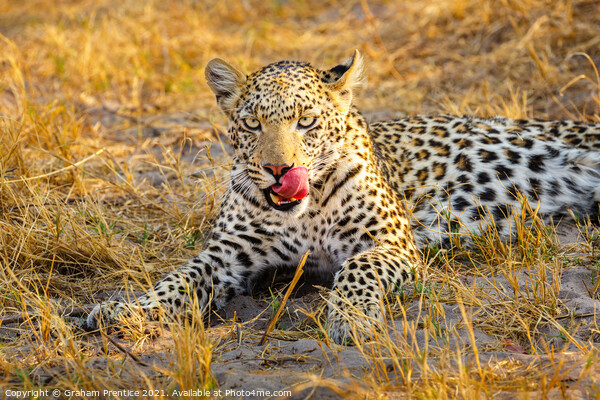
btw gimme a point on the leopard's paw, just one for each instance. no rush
(353, 324)
(102, 314)
(110, 313)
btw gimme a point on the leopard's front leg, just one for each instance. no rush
(212, 277)
(355, 303)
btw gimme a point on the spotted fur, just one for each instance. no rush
(354, 220)
(460, 173)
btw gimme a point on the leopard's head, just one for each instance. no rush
(287, 124)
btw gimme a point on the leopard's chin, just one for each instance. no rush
(280, 203)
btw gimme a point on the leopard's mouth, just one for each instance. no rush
(278, 202)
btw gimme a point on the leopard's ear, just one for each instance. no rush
(346, 78)
(350, 74)
(225, 81)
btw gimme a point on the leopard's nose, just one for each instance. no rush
(277, 170)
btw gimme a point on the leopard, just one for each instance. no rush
(311, 177)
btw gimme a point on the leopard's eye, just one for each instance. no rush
(307, 122)
(251, 123)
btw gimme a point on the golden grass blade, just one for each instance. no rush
(288, 292)
(75, 165)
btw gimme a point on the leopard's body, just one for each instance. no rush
(354, 219)
(472, 170)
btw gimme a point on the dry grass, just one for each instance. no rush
(106, 181)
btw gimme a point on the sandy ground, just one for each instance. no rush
(290, 361)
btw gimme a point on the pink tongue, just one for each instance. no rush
(293, 184)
